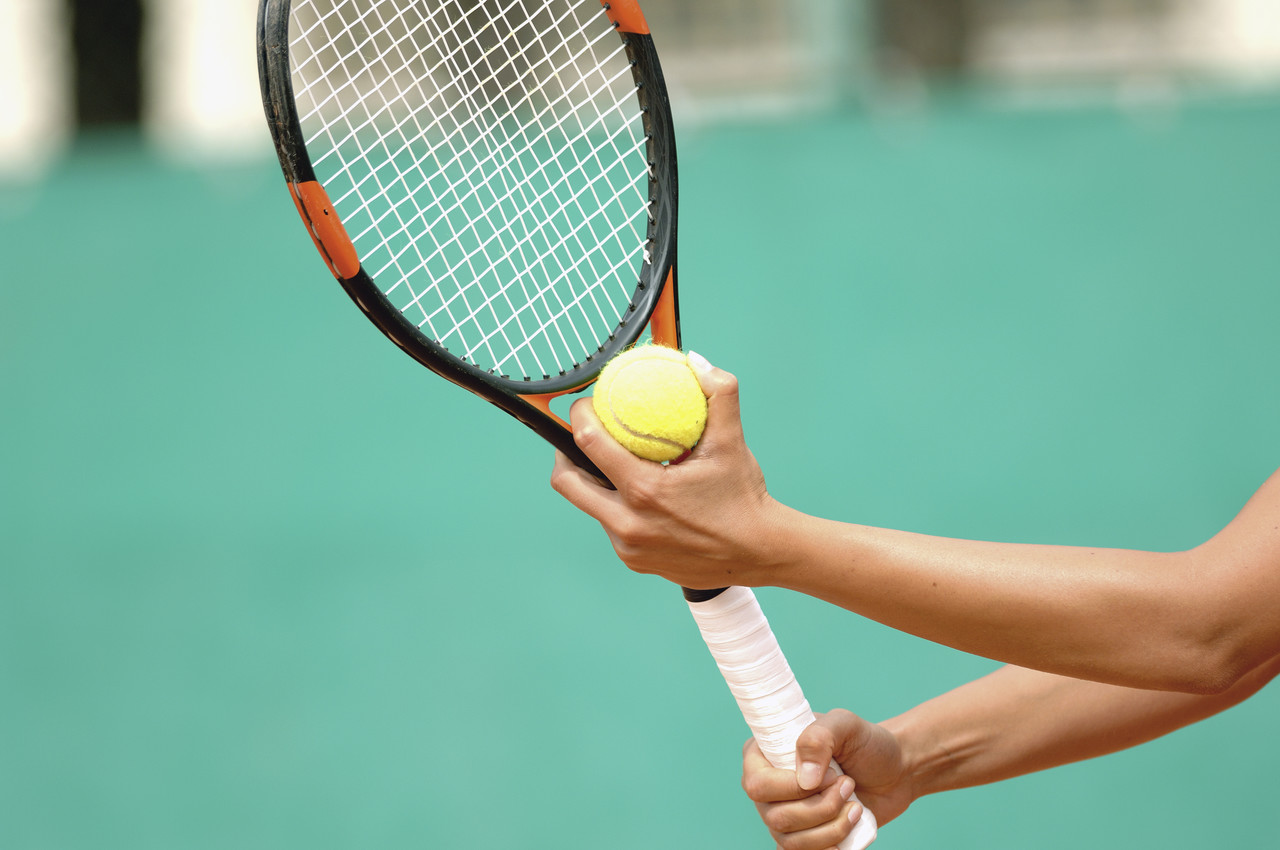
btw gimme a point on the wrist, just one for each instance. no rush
(810, 554)
(958, 739)
(924, 763)
(777, 538)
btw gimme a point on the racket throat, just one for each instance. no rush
(664, 324)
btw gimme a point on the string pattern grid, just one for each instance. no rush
(488, 159)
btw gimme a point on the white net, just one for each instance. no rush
(488, 159)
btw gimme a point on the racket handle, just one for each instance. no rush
(757, 673)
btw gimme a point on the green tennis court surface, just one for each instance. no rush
(265, 583)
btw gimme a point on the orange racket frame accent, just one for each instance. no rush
(664, 324)
(626, 15)
(653, 310)
(326, 229)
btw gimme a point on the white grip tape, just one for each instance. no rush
(761, 680)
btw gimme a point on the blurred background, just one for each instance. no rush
(258, 587)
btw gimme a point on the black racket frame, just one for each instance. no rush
(525, 399)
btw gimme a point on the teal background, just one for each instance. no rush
(265, 583)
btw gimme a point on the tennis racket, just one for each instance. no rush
(493, 182)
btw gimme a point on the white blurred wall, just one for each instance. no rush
(201, 92)
(200, 62)
(1224, 40)
(35, 86)
(1240, 37)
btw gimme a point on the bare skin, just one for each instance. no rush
(1012, 722)
(1194, 622)
(1108, 648)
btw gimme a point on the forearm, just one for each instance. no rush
(1190, 621)
(1017, 721)
(1066, 610)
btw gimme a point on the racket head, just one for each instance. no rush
(493, 182)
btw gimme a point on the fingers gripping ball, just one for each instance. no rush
(650, 401)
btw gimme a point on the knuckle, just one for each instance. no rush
(642, 494)
(791, 842)
(838, 830)
(628, 534)
(815, 742)
(813, 825)
(586, 436)
(639, 567)
(753, 787)
(778, 821)
(829, 806)
(726, 384)
(630, 555)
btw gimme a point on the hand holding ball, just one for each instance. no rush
(650, 401)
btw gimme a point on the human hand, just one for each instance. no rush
(807, 810)
(705, 522)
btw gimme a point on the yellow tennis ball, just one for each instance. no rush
(650, 401)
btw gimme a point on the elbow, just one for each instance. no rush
(1200, 670)
(1211, 638)
(1206, 680)
(1213, 665)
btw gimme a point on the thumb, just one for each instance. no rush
(814, 749)
(836, 735)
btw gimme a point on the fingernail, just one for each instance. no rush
(809, 775)
(846, 789)
(698, 362)
(855, 813)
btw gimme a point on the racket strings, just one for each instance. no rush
(511, 162)
(497, 153)
(489, 160)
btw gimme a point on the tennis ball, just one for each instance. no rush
(650, 401)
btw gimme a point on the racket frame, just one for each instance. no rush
(654, 303)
